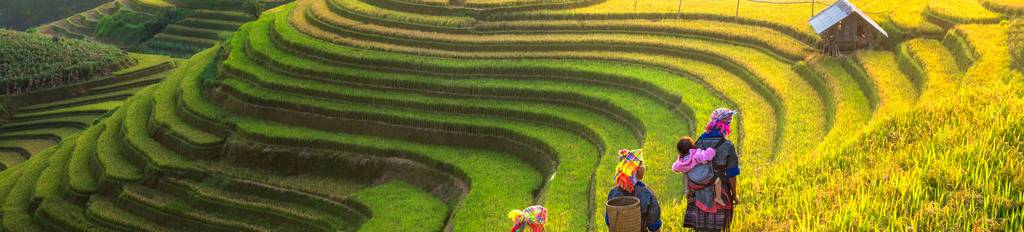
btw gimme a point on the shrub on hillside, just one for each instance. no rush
(32, 61)
(252, 7)
(130, 28)
(3, 111)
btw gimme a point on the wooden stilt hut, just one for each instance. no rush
(843, 27)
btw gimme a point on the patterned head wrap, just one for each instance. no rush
(534, 216)
(625, 172)
(720, 120)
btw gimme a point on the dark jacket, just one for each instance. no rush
(726, 162)
(650, 210)
(725, 156)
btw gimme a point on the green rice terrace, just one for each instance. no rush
(434, 115)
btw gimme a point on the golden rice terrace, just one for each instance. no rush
(433, 115)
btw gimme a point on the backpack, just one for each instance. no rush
(702, 183)
(704, 174)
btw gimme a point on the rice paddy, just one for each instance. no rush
(423, 115)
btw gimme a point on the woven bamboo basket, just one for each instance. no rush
(624, 214)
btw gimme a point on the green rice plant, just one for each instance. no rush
(298, 44)
(192, 32)
(105, 212)
(188, 41)
(222, 15)
(167, 48)
(554, 94)
(399, 205)
(180, 213)
(864, 81)
(165, 114)
(9, 177)
(10, 158)
(894, 90)
(57, 132)
(110, 155)
(128, 27)
(77, 101)
(510, 105)
(49, 183)
(326, 48)
(515, 184)
(61, 29)
(81, 179)
(245, 209)
(17, 202)
(258, 34)
(493, 34)
(851, 96)
(145, 62)
(57, 214)
(153, 3)
(262, 41)
(144, 149)
(211, 24)
(571, 168)
(4, 112)
(283, 214)
(98, 108)
(399, 18)
(71, 121)
(26, 146)
(569, 165)
(192, 105)
(243, 33)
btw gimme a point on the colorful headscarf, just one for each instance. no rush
(625, 172)
(721, 118)
(534, 216)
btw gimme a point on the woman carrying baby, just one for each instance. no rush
(710, 165)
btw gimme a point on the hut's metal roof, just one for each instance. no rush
(837, 12)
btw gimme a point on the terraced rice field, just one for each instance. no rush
(82, 25)
(44, 118)
(422, 115)
(201, 30)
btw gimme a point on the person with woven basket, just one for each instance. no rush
(629, 175)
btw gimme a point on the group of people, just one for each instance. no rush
(709, 165)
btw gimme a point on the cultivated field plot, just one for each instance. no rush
(427, 115)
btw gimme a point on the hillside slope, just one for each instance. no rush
(384, 115)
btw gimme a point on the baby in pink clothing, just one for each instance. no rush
(685, 163)
(695, 156)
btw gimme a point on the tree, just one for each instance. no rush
(252, 7)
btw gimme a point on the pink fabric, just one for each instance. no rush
(696, 156)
